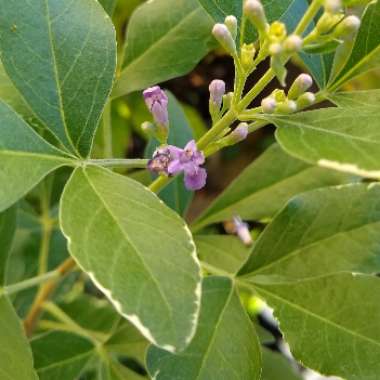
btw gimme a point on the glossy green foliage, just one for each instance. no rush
(345, 141)
(265, 186)
(127, 213)
(172, 29)
(225, 346)
(26, 157)
(61, 57)
(306, 239)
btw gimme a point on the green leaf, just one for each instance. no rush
(323, 231)
(366, 51)
(136, 250)
(115, 371)
(16, 360)
(325, 321)
(354, 99)
(175, 195)
(61, 56)
(165, 39)
(276, 366)
(109, 6)
(225, 346)
(345, 141)
(221, 251)
(7, 232)
(265, 186)
(61, 355)
(127, 341)
(25, 157)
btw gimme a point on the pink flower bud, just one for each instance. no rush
(157, 103)
(217, 89)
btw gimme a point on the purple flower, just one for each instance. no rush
(172, 160)
(157, 102)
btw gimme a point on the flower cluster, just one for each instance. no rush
(171, 160)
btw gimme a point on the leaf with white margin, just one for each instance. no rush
(25, 157)
(225, 346)
(137, 251)
(346, 141)
(331, 323)
(16, 360)
(61, 56)
(323, 231)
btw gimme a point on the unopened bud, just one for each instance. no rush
(279, 95)
(217, 89)
(327, 22)
(268, 105)
(242, 231)
(275, 49)
(232, 25)
(287, 107)
(306, 100)
(277, 31)
(293, 44)
(247, 56)
(347, 27)
(239, 134)
(224, 37)
(300, 86)
(333, 6)
(255, 12)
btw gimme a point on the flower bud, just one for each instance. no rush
(293, 44)
(347, 27)
(327, 22)
(268, 105)
(306, 100)
(247, 56)
(217, 89)
(275, 49)
(232, 25)
(277, 31)
(287, 107)
(242, 231)
(224, 37)
(239, 134)
(279, 95)
(333, 6)
(255, 13)
(299, 86)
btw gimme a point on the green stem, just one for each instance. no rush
(114, 163)
(308, 17)
(30, 283)
(107, 130)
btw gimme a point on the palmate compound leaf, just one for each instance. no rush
(323, 231)
(225, 346)
(165, 39)
(264, 187)
(369, 98)
(346, 141)
(61, 56)
(331, 322)
(25, 157)
(137, 251)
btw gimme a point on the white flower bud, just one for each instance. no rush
(347, 27)
(275, 49)
(224, 37)
(240, 133)
(217, 89)
(293, 44)
(333, 6)
(300, 86)
(287, 107)
(232, 25)
(268, 105)
(255, 12)
(306, 100)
